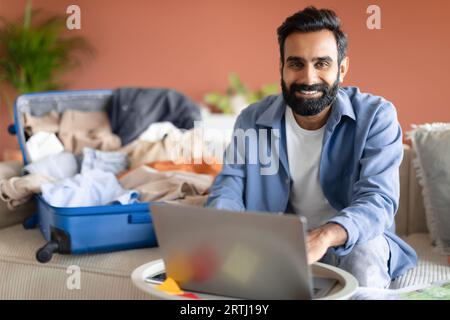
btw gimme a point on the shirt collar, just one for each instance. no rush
(342, 106)
(272, 116)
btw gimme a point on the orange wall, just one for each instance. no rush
(192, 45)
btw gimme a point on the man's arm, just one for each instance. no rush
(376, 193)
(227, 191)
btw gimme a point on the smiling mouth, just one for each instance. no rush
(309, 94)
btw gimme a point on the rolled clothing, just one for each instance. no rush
(91, 188)
(59, 166)
(132, 110)
(79, 129)
(108, 161)
(18, 190)
(43, 144)
(186, 147)
(48, 123)
(164, 186)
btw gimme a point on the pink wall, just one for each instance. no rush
(193, 45)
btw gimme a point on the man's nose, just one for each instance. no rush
(309, 75)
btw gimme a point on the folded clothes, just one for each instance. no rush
(162, 186)
(158, 130)
(205, 168)
(43, 144)
(197, 201)
(18, 190)
(79, 129)
(141, 152)
(107, 161)
(189, 147)
(133, 110)
(48, 123)
(91, 188)
(59, 166)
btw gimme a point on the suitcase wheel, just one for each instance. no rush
(31, 222)
(45, 253)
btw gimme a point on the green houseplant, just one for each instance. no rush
(34, 52)
(237, 95)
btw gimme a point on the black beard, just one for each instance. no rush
(309, 106)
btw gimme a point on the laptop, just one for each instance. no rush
(251, 255)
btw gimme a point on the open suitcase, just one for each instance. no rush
(83, 229)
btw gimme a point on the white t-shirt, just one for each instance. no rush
(304, 148)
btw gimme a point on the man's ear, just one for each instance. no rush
(344, 68)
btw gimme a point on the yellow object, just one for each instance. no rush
(179, 267)
(170, 286)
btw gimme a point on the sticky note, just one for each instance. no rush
(170, 286)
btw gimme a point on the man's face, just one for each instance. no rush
(311, 74)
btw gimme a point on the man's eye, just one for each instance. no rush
(296, 64)
(321, 65)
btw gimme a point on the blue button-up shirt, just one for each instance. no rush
(359, 169)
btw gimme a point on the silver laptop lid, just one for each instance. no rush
(250, 255)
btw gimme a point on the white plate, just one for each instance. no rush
(347, 284)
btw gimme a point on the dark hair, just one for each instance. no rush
(309, 20)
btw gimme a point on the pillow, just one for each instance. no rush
(431, 144)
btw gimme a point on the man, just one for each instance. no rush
(339, 150)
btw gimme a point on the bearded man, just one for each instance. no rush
(339, 152)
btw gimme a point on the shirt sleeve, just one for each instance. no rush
(376, 194)
(227, 191)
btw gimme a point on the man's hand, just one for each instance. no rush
(320, 239)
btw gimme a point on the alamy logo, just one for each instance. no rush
(230, 147)
(74, 20)
(74, 280)
(374, 20)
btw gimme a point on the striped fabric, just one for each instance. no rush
(107, 276)
(102, 276)
(432, 265)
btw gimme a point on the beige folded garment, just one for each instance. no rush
(140, 152)
(164, 186)
(79, 129)
(179, 147)
(48, 123)
(18, 190)
(197, 201)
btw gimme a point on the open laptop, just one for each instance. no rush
(251, 255)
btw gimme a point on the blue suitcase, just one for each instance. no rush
(83, 229)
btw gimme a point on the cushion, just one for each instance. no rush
(9, 169)
(431, 143)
